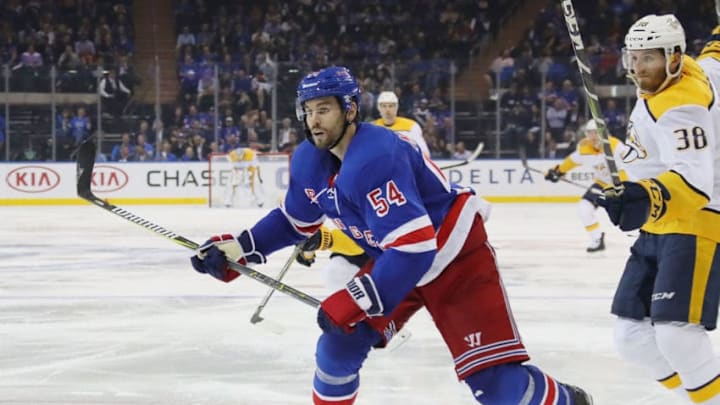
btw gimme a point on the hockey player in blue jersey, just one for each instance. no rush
(428, 244)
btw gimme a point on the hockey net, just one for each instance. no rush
(237, 185)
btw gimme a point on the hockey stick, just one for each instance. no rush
(523, 158)
(470, 158)
(589, 87)
(85, 164)
(256, 316)
(562, 178)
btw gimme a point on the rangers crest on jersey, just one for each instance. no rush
(310, 193)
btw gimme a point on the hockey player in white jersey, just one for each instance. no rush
(589, 153)
(245, 173)
(388, 104)
(667, 298)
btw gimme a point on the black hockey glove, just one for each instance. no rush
(322, 240)
(306, 258)
(637, 204)
(554, 174)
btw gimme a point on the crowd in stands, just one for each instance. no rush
(387, 45)
(84, 41)
(75, 36)
(546, 48)
(230, 54)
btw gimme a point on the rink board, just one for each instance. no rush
(49, 183)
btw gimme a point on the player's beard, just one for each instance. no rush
(327, 136)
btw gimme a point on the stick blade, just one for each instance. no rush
(478, 150)
(256, 318)
(85, 164)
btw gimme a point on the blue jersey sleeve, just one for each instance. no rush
(298, 218)
(390, 203)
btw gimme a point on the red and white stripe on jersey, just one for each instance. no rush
(437, 172)
(319, 399)
(484, 356)
(306, 229)
(453, 232)
(551, 394)
(414, 236)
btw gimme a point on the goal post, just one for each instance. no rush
(242, 185)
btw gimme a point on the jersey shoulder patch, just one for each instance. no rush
(585, 147)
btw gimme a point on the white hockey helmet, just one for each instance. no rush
(387, 97)
(591, 125)
(656, 32)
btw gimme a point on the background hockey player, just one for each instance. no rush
(428, 245)
(667, 298)
(589, 153)
(387, 104)
(245, 172)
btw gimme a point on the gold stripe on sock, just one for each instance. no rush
(671, 382)
(705, 392)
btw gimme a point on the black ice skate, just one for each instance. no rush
(597, 245)
(579, 396)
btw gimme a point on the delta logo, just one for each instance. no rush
(106, 179)
(32, 179)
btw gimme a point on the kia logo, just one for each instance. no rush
(108, 178)
(33, 179)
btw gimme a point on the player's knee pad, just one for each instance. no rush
(586, 212)
(689, 351)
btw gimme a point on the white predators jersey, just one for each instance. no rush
(586, 154)
(709, 60)
(672, 138)
(408, 128)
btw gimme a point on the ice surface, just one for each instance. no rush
(96, 310)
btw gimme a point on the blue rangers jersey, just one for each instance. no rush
(387, 196)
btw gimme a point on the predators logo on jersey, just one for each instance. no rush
(635, 149)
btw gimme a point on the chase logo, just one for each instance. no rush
(32, 179)
(106, 179)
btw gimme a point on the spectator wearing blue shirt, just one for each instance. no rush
(189, 155)
(165, 154)
(63, 134)
(232, 142)
(188, 72)
(140, 141)
(80, 126)
(229, 129)
(115, 154)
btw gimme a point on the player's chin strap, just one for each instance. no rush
(344, 131)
